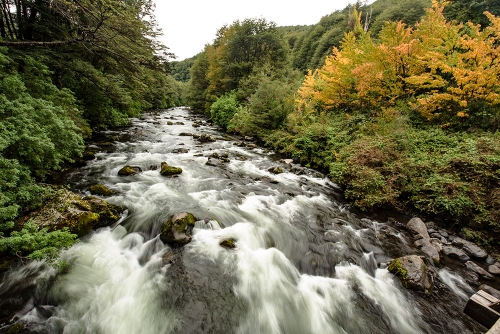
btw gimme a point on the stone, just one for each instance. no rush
(205, 138)
(129, 170)
(185, 134)
(101, 190)
(413, 273)
(251, 146)
(213, 162)
(489, 260)
(275, 170)
(178, 229)
(455, 253)
(287, 161)
(79, 215)
(470, 248)
(180, 150)
(443, 233)
(247, 138)
(167, 170)
(228, 243)
(494, 270)
(418, 229)
(478, 270)
(170, 123)
(428, 249)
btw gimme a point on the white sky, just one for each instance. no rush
(190, 24)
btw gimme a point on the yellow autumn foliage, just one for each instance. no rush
(447, 71)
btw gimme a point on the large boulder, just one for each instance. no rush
(418, 229)
(455, 253)
(413, 273)
(470, 248)
(79, 215)
(167, 170)
(478, 270)
(178, 229)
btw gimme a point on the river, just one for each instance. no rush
(303, 262)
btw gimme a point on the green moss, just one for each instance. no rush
(129, 170)
(228, 243)
(15, 328)
(396, 267)
(167, 170)
(99, 189)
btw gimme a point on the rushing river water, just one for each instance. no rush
(303, 263)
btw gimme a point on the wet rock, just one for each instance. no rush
(170, 123)
(413, 273)
(470, 248)
(195, 125)
(267, 179)
(297, 170)
(185, 134)
(241, 158)
(179, 123)
(167, 170)
(214, 162)
(106, 144)
(205, 138)
(443, 233)
(89, 154)
(492, 269)
(129, 170)
(428, 249)
(247, 138)
(287, 161)
(275, 170)
(178, 229)
(180, 150)
(455, 253)
(418, 229)
(228, 243)
(478, 270)
(489, 260)
(251, 146)
(79, 215)
(101, 190)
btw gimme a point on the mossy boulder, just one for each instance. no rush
(101, 190)
(228, 243)
(129, 170)
(178, 229)
(276, 170)
(79, 215)
(167, 170)
(413, 273)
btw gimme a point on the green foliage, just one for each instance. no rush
(37, 244)
(223, 110)
(198, 85)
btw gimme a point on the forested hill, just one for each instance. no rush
(399, 103)
(67, 68)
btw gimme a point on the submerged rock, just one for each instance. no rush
(79, 215)
(413, 273)
(178, 229)
(129, 170)
(101, 190)
(167, 170)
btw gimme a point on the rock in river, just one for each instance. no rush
(413, 273)
(167, 170)
(178, 229)
(79, 215)
(129, 170)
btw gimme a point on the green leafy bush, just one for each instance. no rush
(224, 109)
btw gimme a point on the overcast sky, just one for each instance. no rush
(190, 24)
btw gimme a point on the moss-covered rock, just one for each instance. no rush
(276, 170)
(228, 243)
(178, 229)
(101, 190)
(79, 215)
(167, 170)
(129, 170)
(413, 273)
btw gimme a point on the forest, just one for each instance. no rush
(397, 100)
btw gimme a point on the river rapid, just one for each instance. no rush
(303, 262)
